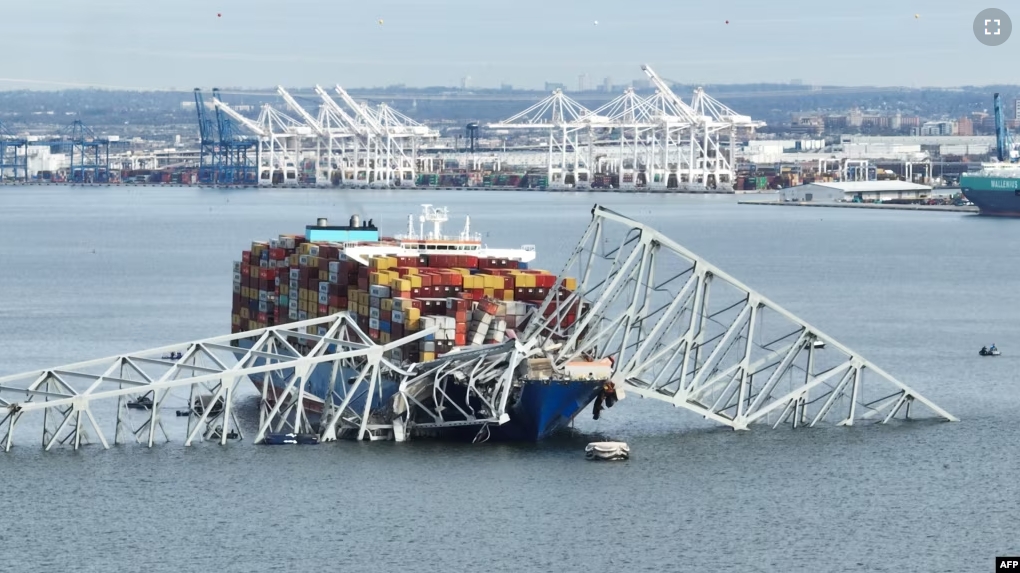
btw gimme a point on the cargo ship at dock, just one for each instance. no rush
(478, 297)
(995, 189)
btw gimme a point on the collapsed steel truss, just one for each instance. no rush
(682, 331)
(78, 400)
(677, 329)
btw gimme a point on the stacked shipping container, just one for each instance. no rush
(472, 300)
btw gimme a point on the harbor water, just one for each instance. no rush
(91, 272)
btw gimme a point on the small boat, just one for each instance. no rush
(608, 451)
(143, 403)
(283, 439)
(986, 351)
(217, 433)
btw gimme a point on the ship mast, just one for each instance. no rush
(437, 217)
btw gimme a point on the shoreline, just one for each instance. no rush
(891, 206)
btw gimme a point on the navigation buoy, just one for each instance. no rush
(380, 21)
(727, 21)
(596, 22)
(916, 16)
(218, 15)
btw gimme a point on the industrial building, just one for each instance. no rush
(860, 191)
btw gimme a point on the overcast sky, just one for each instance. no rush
(256, 43)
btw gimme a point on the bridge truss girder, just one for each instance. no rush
(682, 331)
(86, 402)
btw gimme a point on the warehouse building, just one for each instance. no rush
(857, 191)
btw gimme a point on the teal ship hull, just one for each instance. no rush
(995, 192)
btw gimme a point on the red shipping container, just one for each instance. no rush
(277, 254)
(261, 317)
(460, 339)
(323, 310)
(373, 333)
(245, 257)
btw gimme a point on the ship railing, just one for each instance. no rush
(473, 237)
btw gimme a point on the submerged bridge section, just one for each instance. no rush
(676, 328)
(127, 397)
(682, 331)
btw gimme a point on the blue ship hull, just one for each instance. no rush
(541, 409)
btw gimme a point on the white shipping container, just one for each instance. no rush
(398, 316)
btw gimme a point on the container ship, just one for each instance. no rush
(995, 189)
(395, 286)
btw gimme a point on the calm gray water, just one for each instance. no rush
(918, 293)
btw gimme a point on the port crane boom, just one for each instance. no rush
(1003, 141)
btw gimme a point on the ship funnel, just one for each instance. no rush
(321, 222)
(355, 221)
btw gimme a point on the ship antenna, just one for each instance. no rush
(467, 228)
(410, 226)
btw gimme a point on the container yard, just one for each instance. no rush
(659, 143)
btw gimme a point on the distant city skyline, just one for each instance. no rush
(122, 44)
